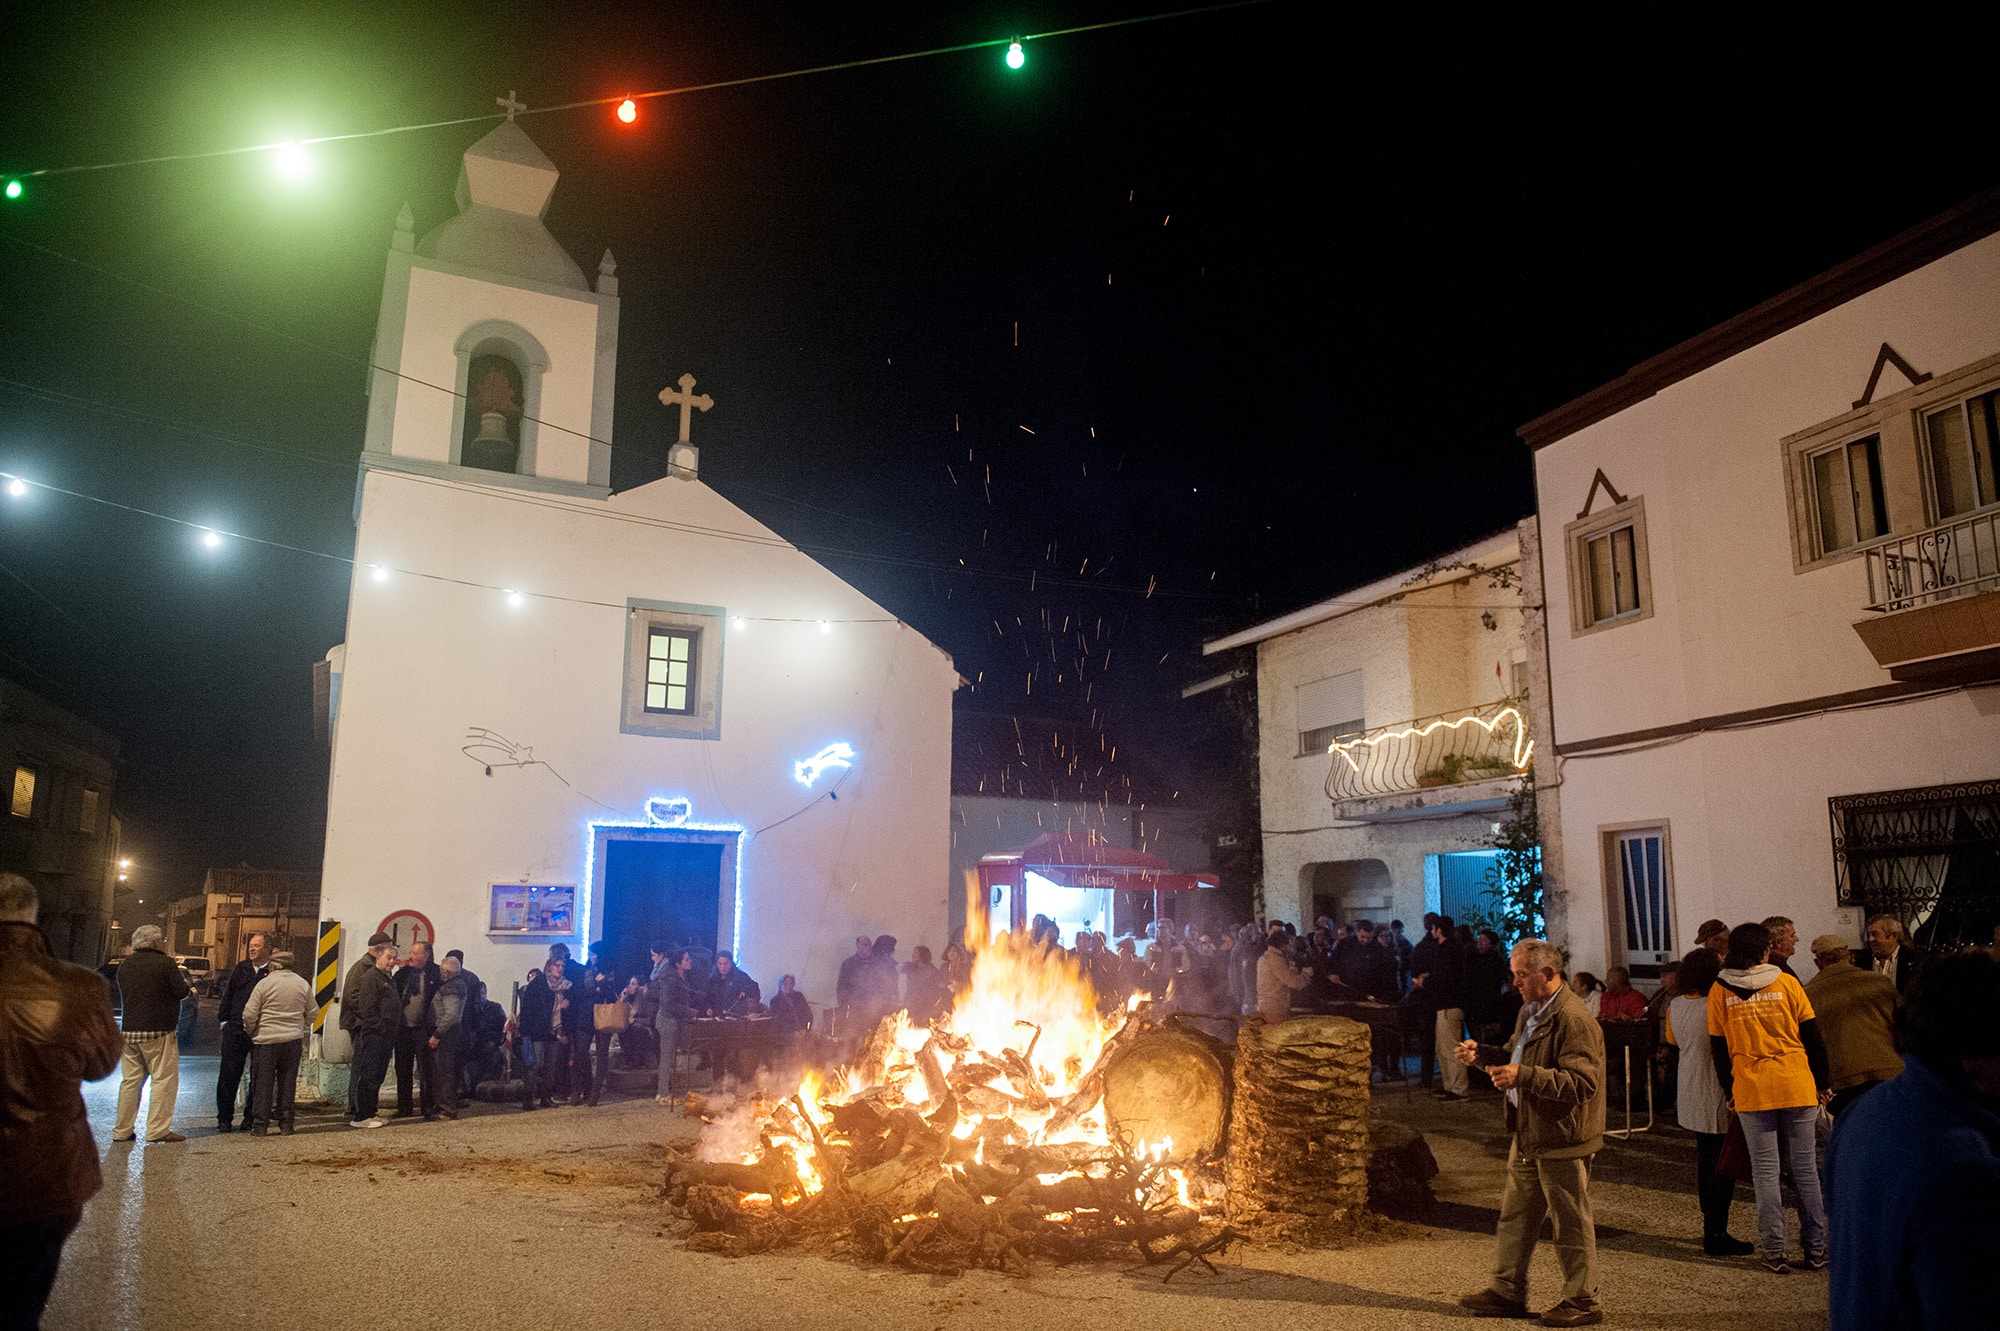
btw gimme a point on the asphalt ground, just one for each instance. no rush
(505, 1219)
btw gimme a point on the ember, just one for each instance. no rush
(1007, 1131)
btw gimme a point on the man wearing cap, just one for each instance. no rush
(1713, 935)
(150, 988)
(1857, 1020)
(277, 1017)
(369, 1010)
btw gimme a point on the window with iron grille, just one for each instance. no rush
(1929, 856)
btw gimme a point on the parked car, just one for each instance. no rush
(200, 975)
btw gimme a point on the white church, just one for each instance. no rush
(564, 714)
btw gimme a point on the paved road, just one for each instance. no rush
(507, 1220)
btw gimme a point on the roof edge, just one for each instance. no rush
(1924, 243)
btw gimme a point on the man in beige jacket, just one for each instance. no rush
(1553, 1075)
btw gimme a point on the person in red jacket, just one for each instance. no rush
(1620, 1001)
(56, 1033)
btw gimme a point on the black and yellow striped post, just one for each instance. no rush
(326, 973)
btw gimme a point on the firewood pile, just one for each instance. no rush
(1298, 1137)
(953, 1157)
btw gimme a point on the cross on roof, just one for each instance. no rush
(687, 400)
(511, 103)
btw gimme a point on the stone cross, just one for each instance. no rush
(687, 400)
(510, 103)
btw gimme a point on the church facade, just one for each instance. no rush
(564, 714)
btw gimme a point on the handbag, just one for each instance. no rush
(1734, 1162)
(611, 1016)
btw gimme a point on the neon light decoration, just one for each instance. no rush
(659, 811)
(1524, 747)
(808, 770)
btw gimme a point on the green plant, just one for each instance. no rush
(1456, 767)
(1514, 885)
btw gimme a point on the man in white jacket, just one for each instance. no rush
(277, 1019)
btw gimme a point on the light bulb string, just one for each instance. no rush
(160, 159)
(358, 565)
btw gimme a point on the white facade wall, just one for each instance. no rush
(414, 823)
(1735, 628)
(1421, 655)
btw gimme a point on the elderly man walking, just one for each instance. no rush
(1553, 1076)
(277, 1017)
(150, 988)
(56, 1033)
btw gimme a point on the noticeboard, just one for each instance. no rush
(533, 909)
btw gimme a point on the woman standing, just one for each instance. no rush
(1699, 1101)
(1770, 1060)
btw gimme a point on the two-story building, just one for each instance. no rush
(1393, 726)
(59, 830)
(1772, 557)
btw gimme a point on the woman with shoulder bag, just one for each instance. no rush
(1770, 1060)
(1698, 1102)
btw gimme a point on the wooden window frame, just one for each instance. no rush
(1576, 540)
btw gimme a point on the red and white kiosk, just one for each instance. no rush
(1082, 884)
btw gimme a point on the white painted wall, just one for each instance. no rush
(414, 823)
(1735, 628)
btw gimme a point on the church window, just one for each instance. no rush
(670, 663)
(673, 670)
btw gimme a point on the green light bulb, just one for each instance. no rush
(1016, 57)
(13, 189)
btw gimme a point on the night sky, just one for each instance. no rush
(1285, 282)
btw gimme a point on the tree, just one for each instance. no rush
(1514, 884)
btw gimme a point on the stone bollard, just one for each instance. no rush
(1298, 1134)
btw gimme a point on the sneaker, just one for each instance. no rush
(357, 1123)
(1571, 1313)
(1777, 1266)
(1487, 1303)
(1445, 1095)
(1815, 1261)
(1722, 1245)
(165, 1137)
(225, 1126)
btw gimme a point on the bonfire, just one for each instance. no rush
(1026, 1124)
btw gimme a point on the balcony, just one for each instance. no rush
(1934, 602)
(1465, 760)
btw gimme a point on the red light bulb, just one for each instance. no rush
(628, 110)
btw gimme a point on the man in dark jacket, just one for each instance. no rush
(536, 1022)
(1913, 1169)
(151, 988)
(1552, 1073)
(362, 965)
(242, 978)
(475, 1001)
(448, 1018)
(1445, 985)
(370, 1010)
(851, 989)
(56, 1033)
(416, 982)
(1892, 954)
(732, 993)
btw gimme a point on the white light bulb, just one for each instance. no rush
(825, 627)
(293, 163)
(17, 487)
(211, 539)
(739, 623)
(515, 598)
(381, 574)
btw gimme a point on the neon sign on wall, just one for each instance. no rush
(808, 770)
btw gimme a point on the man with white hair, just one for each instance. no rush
(151, 988)
(1553, 1075)
(56, 1033)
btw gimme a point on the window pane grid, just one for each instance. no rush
(670, 658)
(1613, 566)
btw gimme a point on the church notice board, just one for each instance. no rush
(533, 908)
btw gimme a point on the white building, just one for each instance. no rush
(1774, 613)
(566, 714)
(1392, 729)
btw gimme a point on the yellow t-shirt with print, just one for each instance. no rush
(1765, 1053)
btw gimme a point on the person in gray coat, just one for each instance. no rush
(448, 1012)
(277, 1017)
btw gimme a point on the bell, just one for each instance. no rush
(492, 449)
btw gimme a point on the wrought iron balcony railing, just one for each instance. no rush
(1956, 558)
(1455, 748)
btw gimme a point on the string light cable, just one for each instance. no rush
(592, 102)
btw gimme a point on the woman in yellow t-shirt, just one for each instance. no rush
(1772, 1064)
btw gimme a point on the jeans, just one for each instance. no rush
(1537, 1190)
(371, 1063)
(538, 1066)
(274, 1080)
(229, 1077)
(601, 1066)
(29, 1255)
(668, 1029)
(413, 1055)
(1715, 1189)
(1787, 1133)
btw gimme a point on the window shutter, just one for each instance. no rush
(1333, 701)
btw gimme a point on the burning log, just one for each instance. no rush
(1169, 1086)
(1298, 1133)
